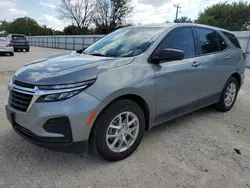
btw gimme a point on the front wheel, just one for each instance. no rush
(228, 95)
(119, 130)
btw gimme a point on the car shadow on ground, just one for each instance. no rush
(4, 54)
(15, 149)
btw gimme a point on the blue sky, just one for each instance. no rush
(145, 11)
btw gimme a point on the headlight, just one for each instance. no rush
(62, 92)
(67, 86)
(58, 96)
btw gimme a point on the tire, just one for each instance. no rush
(11, 54)
(221, 105)
(27, 49)
(101, 130)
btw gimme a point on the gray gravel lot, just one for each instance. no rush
(196, 150)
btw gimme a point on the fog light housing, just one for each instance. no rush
(59, 125)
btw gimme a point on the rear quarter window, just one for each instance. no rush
(232, 38)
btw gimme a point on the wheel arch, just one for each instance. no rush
(133, 97)
(237, 77)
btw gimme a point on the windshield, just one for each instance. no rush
(18, 37)
(125, 42)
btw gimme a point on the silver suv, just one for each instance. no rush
(106, 96)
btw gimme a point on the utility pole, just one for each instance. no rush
(177, 11)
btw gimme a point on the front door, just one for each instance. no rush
(178, 83)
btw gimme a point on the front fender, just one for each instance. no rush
(132, 79)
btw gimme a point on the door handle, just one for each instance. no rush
(228, 57)
(196, 64)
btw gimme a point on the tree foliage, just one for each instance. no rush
(111, 14)
(183, 19)
(79, 12)
(234, 17)
(27, 26)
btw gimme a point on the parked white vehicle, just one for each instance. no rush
(6, 47)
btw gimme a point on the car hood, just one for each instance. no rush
(67, 68)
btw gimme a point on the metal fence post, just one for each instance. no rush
(66, 43)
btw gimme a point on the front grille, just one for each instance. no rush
(19, 101)
(22, 84)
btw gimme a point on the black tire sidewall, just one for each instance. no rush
(222, 99)
(105, 119)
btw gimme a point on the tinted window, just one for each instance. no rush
(125, 42)
(222, 43)
(208, 41)
(18, 37)
(232, 38)
(181, 39)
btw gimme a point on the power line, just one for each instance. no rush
(177, 10)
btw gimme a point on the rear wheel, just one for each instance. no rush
(118, 130)
(228, 95)
(11, 54)
(27, 49)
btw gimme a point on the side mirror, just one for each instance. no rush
(168, 54)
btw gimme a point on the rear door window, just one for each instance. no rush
(180, 39)
(209, 42)
(232, 38)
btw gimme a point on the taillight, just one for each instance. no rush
(245, 55)
(9, 45)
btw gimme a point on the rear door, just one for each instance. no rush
(215, 58)
(178, 82)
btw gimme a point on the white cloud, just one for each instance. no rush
(159, 11)
(47, 5)
(51, 22)
(17, 12)
(9, 10)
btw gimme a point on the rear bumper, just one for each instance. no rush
(21, 46)
(6, 49)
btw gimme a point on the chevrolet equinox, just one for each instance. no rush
(106, 96)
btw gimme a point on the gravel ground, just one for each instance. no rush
(196, 150)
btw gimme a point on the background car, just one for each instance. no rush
(6, 47)
(19, 42)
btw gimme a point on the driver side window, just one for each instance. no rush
(180, 39)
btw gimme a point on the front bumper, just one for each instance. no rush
(30, 125)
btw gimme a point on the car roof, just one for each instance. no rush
(169, 25)
(18, 34)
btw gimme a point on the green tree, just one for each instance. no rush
(183, 19)
(27, 26)
(234, 17)
(111, 14)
